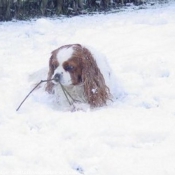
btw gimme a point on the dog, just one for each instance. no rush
(83, 74)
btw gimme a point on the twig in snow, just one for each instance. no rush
(66, 93)
(31, 92)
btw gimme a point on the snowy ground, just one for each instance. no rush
(133, 136)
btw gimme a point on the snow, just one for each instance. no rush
(132, 136)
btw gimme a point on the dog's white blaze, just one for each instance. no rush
(62, 56)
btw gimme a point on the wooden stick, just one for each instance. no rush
(31, 92)
(66, 93)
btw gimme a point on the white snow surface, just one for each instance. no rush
(134, 135)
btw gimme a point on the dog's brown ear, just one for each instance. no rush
(49, 85)
(95, 88)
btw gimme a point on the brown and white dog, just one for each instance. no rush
(81, 74)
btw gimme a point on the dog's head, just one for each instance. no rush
(73, 65)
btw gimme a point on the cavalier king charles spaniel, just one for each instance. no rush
(85, 76)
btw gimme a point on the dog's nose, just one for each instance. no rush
(57, 77)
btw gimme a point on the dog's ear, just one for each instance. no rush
(51, 67)
(95, 89)
(49, 85)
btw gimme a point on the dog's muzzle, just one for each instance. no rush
(57, 77)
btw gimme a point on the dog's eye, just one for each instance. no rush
(69, 68)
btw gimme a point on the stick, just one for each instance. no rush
(31, 92)
(66, 93)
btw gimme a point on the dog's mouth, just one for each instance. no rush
(58, 79)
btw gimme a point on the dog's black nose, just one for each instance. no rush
(57, 77)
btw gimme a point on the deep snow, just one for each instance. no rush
(135, 135)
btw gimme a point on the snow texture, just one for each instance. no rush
(134, 135)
